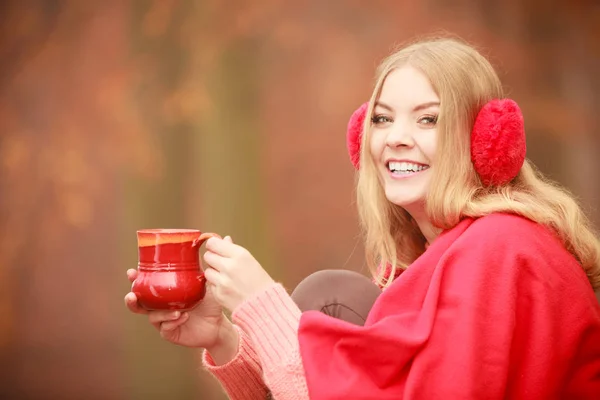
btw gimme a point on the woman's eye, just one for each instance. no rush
(380, 119)
(428, 120)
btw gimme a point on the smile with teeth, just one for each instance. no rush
(405, 168)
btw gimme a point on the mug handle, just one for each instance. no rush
(203, 238)
(198, 242)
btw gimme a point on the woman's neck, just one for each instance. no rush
(426, 227)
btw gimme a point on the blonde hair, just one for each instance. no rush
(464, 81)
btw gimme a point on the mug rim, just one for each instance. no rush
(167, 230)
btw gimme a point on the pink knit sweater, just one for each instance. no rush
(269, 352)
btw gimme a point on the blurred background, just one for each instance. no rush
(226, 116)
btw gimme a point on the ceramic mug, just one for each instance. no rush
(170, 276)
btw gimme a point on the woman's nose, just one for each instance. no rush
(399, 136)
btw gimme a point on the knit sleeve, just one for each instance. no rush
(241, 378)
(271, 321)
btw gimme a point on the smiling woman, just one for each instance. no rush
(475, 252)
(424, 105)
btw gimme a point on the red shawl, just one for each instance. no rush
(496, 308)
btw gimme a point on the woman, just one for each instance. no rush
(498, 267)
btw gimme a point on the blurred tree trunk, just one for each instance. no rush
(157, 369)
(226, 164)
(227, 157)
(210, 176)
(579, 86)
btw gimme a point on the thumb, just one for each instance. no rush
(228, 239)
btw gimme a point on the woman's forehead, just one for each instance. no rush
(407, 87)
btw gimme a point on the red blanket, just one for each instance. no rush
(496, 308)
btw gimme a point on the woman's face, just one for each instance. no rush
(404, 138)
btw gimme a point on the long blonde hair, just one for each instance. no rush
(464, 81)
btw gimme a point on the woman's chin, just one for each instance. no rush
(409, 202)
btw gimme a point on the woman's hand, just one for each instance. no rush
(232, 273)
(205, 326)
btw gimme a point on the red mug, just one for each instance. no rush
(170, 276)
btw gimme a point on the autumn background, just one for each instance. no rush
(227, 116)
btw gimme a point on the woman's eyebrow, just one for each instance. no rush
(426, 105)
(419, 107)
(383, 105)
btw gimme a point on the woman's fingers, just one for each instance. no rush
(133, 305)
(174, 324)
(222, 247)
(132, 274)
(156, 318)
(213, 277)
(130, 298)
(161, 320)
(214, 260)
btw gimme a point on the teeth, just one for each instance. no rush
(396, 166)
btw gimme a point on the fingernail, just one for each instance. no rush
(175, 315)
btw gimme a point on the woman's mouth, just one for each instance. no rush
(401, 169)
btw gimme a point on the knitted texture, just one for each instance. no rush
(271, 320)
(241, 378)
